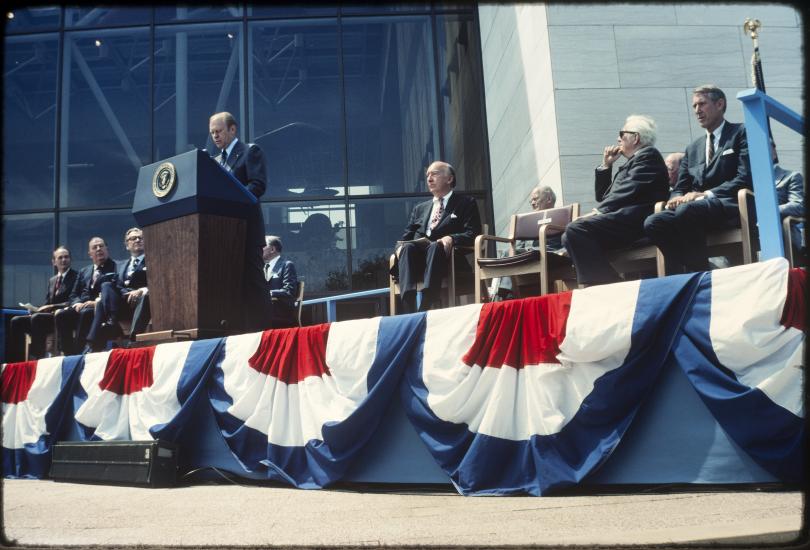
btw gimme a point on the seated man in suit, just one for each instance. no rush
(282, 284)
(79, 315)
(40, 323)
(123, 298)
(624, 202)
(790, 195)
(542, 197)
(714, 168)
(245, 161)
(446, 220)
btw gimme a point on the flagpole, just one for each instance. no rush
(751, 28)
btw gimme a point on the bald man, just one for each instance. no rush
(446, 220)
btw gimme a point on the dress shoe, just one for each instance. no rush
(111, 330)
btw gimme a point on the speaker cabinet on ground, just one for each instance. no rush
(151, 463)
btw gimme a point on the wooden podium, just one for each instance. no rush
(194, 217)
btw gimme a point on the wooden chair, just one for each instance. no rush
(451, 283)
(548, 266)
(641, 256)
(787, 236)
(738, 244)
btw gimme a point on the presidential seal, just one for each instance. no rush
(164, 180)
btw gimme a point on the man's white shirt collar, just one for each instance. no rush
(272, 263)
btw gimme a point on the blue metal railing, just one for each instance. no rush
(757, 108)
(331, 301)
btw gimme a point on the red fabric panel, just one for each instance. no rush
(292, 354)
(520, 332)
(794, 313)
(16, 380)
(128, 370)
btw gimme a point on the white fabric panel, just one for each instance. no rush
(24, 422)
(747, 337)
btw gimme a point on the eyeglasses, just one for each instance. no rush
(135, 238)
(622, 132)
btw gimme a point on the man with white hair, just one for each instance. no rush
(624, 202)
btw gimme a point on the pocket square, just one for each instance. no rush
(726, 152)
(453, 216)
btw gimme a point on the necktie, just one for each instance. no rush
(437, 215)
(710, 154)
(224, 158)
(133, 265)
(57, 284)
(96, 273)
(267, 272)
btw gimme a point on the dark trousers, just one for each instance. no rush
(66, 321)
(38, 325)
(416, 264)
(587, 239)
(681, 233)
(114, 307)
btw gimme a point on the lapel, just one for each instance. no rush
(426, 214)
(52, 285)
(236, 153)
(279, 264)
(721, 144)
(448, 210)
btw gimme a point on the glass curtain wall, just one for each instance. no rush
(350, 104)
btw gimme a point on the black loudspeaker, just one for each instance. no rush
(152, 463)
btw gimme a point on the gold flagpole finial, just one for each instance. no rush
(751, 27)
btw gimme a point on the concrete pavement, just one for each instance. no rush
(57, 513)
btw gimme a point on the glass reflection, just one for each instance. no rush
(460, 78)
(26, 258)
(40, 18)
(29, 121)
(390, 102)
(107, 17)
(296, 107)
(198, 70)
(196, 13)
(77, 228)
(379, 223)
(303, 10)
(314, 237)
(381, 8)
(106, 131)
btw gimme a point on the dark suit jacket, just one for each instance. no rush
(84, 291)
(124, 284)
(789, 192)
(283, 288)
(63, 295)
(727, 173)
(246, 162)
(460, 220)
(640, 182)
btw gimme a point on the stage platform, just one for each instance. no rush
(654, 382)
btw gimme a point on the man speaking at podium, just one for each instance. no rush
(245, 161)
